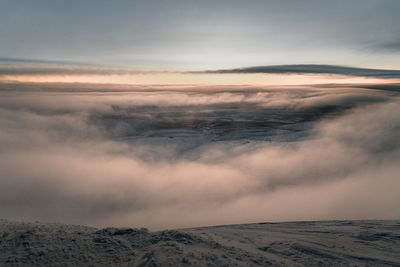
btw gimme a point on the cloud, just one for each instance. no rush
(62, 157)
(389, 46)
(315, 69)
(10, 67)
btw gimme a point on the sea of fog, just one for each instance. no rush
(182, 156)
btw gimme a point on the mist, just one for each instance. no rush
(173, 156)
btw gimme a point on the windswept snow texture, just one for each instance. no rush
(329, 243)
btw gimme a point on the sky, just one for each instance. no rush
(199, 35)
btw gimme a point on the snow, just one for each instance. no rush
(336, 243)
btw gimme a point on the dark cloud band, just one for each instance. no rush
(40, 67)
(314, 69)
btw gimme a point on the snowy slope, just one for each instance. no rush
(343, 243)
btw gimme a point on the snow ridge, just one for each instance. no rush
(361, 243)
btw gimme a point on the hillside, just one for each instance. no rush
(361, 243)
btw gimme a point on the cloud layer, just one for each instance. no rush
(88, 157)
(13, 67)
(316, 69)
(191, 35)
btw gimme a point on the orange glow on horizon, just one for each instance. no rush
(201, 79)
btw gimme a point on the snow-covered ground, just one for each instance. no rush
(327, 243)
